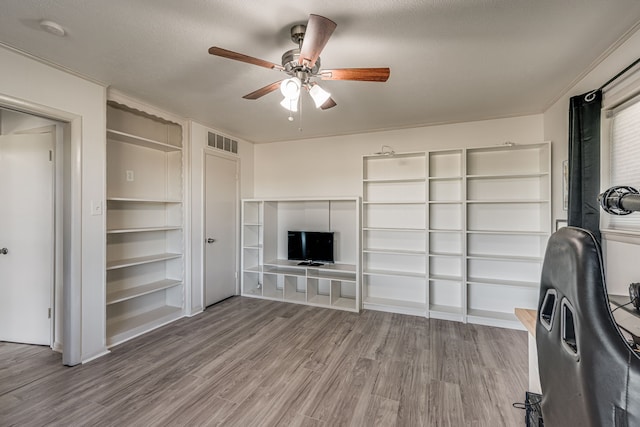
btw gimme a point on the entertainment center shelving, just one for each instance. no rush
(144, 216)
(266, 272)
(456, 234)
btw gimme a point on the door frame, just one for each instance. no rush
(71, 316)
(206, 151)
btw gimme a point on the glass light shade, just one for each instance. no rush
(290, 88)
(290, 104)
(319, 95)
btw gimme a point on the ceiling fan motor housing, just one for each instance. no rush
(292, 67)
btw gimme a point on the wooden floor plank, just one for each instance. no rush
(246, 362)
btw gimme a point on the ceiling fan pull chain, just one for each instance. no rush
(300, 114)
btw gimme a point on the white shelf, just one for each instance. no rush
(142, 229)
(509, 176)
(252, 247)
(445, 309)
(443, 277)
(138, 291)
(130, 262)
(296, 297)
(396, 306)
(492, 314)
(393, 273)
(393, 203)
(445, 254)
(509, 232)
(445, 178)
(392, 229)
(394, 180)
(345, 303)
(269, 269)
(320, 300)
(505, 257)
(494, 318)
(140, 141)
(392, 251)
(252, 292)
(331, 275)
(500, 282)
(122, 329)
(511, 201)
(139, 200)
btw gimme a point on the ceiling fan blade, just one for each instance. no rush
(329, 103)
(263, 90)
(316, 36)
(218, 51)
(360, 74)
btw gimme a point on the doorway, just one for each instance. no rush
(31, 264)
(220, 220)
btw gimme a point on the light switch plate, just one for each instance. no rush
(96, 207)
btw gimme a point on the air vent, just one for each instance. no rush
(223, 143)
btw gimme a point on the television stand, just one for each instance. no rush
(311, 263)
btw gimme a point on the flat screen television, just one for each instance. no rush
(310, 247)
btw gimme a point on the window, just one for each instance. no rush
(624, 158)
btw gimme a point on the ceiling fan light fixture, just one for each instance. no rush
(290, 104)
(319, 95)
(290, 88)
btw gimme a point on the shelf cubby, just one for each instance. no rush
(445, 164)
(445, 189)
(445, 299)
(445, 216)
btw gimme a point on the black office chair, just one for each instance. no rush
(588, 373)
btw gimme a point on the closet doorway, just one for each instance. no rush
(220, 219)
(28, 228)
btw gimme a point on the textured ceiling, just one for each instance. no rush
(450, 60)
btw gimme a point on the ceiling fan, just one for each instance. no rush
(302, 64)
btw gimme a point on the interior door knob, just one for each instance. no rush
(210, 240)
(4, 251)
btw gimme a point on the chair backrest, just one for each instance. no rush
(588, 373)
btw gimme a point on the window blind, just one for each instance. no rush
(625, 159)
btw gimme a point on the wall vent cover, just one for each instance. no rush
(223, 143)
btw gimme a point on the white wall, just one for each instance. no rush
(198, 137)
(32, 83)
(327, 167)
(620, 257)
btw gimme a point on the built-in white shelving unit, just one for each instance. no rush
(266, 271)
(394, 245)
(145, 240)
(456, 234)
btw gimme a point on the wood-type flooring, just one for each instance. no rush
(250, 362)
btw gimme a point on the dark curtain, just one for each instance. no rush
(584, 161)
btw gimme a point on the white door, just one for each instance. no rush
(26, 237)
(221, 204)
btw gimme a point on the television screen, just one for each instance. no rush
(310, 246)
